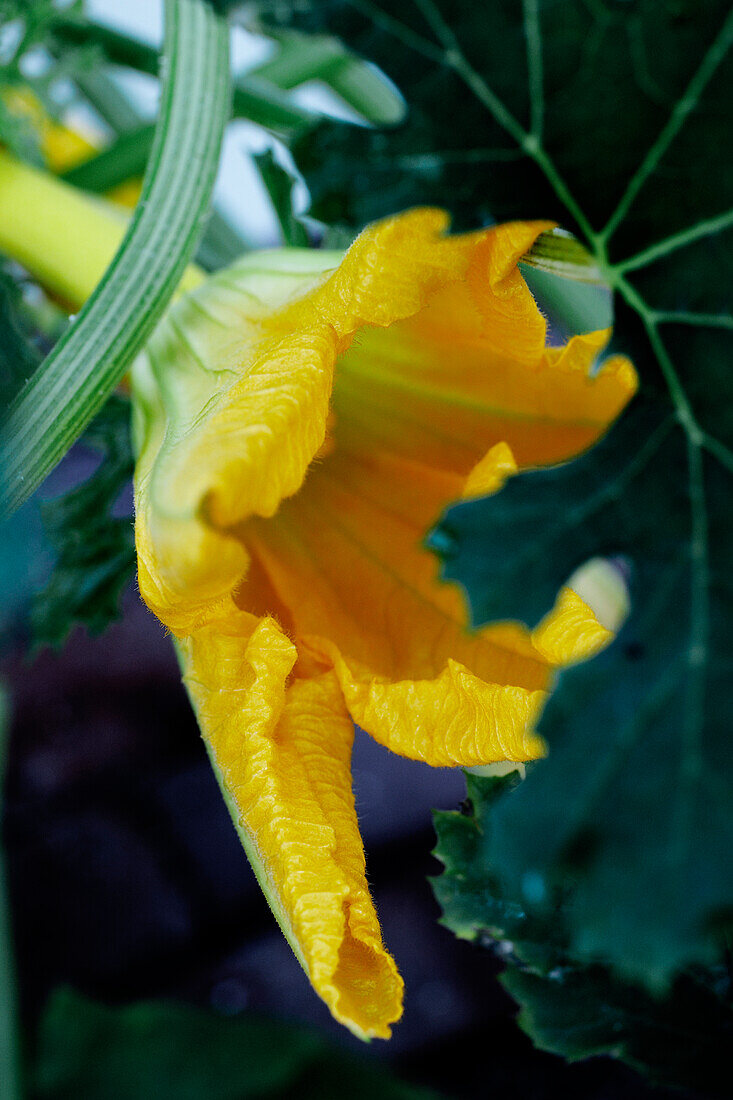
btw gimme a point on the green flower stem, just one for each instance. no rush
(71, 385)
(63, 237)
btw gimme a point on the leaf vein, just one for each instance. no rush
(680, 112)
(677, 240)
(533, 36)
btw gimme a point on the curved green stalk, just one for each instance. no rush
(70, 386)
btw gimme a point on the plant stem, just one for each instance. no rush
(72, 384)
(63, 237)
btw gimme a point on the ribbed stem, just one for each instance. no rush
(71, 385)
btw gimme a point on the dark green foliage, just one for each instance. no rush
(95, 549)
(593, 82)
(610, 118)
(474, 905)
(631, 812)
(568, 1008)
(681, 1040)
(177, 1052)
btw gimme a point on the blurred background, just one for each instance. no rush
(125, 876)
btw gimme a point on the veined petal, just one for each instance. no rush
(361, 595)
(282, 750)
(490, 472)
(446, 402)
(456, 718)
(231, 404)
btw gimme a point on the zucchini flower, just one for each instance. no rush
(301, 420)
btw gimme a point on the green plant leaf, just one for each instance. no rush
(682, 1040)
(610, 119)
(72, 383)
(570, 1009)
(279, 184)
(95, 548)
(177, 1052)
(475, 907)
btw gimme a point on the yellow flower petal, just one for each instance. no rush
(231, 404)
(283, 750)
(571, 632)
(455, 718)
(490, 472)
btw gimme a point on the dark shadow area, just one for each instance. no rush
(127, 879)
